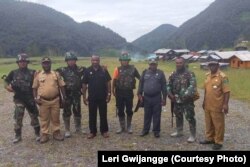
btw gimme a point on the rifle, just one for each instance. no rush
(172, 114)
(138, 105)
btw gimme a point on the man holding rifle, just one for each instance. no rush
(181, 91)
(72, 76)
(20, 82)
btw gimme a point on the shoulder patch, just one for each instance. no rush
(222, 74)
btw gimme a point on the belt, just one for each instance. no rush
(49, 99)
(152, 95)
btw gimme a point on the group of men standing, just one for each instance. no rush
(47, 88)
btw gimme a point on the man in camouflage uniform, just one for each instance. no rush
(122, 88)
(72, 75)
(181, 90)
(20, 82)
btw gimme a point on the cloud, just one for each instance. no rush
(129, 18)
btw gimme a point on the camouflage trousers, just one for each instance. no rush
(19, 113)
(188, 110)
(73, 104)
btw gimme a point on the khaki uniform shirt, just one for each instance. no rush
(47, 84)
(216, 85)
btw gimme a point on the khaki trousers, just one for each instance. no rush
(50, 112)
(215, 126)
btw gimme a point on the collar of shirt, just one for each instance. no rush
(95, 69)
(43, 72)
(215, 74)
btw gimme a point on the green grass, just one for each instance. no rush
(239, 78)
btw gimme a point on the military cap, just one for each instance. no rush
(70, 56)
(152, 61)
(22, 57)
(46, 59)
(124, 57)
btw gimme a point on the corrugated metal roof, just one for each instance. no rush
(181, 50)
(187, 56)
(202, 51)
(215, 57)
(229, 54)
(163, 50)
(243, 57)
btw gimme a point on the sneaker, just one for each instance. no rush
(176, 134)
(44, 138)
(217, 146)
(91, 135)
(206, 142)
(58, 136)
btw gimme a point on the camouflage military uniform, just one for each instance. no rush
(124, 84)
(21, 82)
(183, 86)
(72, 77)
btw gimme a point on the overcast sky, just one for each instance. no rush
(129, 18)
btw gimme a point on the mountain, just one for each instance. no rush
(155, 39)
(222, 25)
(38, 30)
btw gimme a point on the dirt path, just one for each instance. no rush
(79, 151)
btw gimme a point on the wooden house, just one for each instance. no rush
(240, 61)
(226, 55)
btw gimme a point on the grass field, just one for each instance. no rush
(239, 78)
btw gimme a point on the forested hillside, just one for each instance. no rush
(39, 30)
